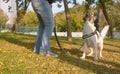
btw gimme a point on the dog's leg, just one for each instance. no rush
(84, 51)
(101, 50)
(95, 48)
(96, 53)
(101, 53)
(100, 47)
(91, 52)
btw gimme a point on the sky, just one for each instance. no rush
(11, 3)
(55, 9)
(4, 6)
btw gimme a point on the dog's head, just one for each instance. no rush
(90, 18)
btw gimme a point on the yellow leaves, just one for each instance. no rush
(55, 73)
(18, 57)
(1, 64)
(0, 49)
(29, 19)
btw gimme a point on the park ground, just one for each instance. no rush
(17, 57)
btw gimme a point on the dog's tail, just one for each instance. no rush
(104, 31)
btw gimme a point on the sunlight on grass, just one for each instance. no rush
(17, 57)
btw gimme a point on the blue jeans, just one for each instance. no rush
(46, 25)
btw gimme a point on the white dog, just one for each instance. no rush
(92, 38)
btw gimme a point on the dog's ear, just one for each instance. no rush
(95, 17)
(86, 17)
(92, 18)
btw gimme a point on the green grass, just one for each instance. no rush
(17, 57)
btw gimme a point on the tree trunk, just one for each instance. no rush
(20, 13)
(75, 2)
(107, 18)
(98, 20)
(69, 26)
(14, 25)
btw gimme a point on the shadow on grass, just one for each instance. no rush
(76, 41)
(20, 39)
(111, 50)
(112, 45)
(71, 57)
(86, 64)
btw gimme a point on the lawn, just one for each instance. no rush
(17, 57)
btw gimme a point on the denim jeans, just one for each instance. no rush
(46, 25)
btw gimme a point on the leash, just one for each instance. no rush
(57, 40)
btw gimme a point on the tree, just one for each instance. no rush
(21, 7)
(107, 18)
(77, 13)
(116, 15)
(29, 20)
(68, 19)
(3, 19)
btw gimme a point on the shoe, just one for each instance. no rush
(35, 51)
(52, 55)
(42, 52)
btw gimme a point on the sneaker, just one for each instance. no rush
(52, 55)
(35, 50)
(42, 52)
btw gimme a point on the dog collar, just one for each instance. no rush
(89, 35)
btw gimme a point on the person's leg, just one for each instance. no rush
(39, 35)
(48, 20)
(49, 25)
(37, 8)
(43, 8)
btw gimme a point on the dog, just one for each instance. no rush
(92, 38)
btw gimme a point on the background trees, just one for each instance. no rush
(3, 19)
(29, 20)
(73, 15)
(68, 20)
(21, 7)
(114, 13)
(76, 19)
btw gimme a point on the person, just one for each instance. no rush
(46, 25)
